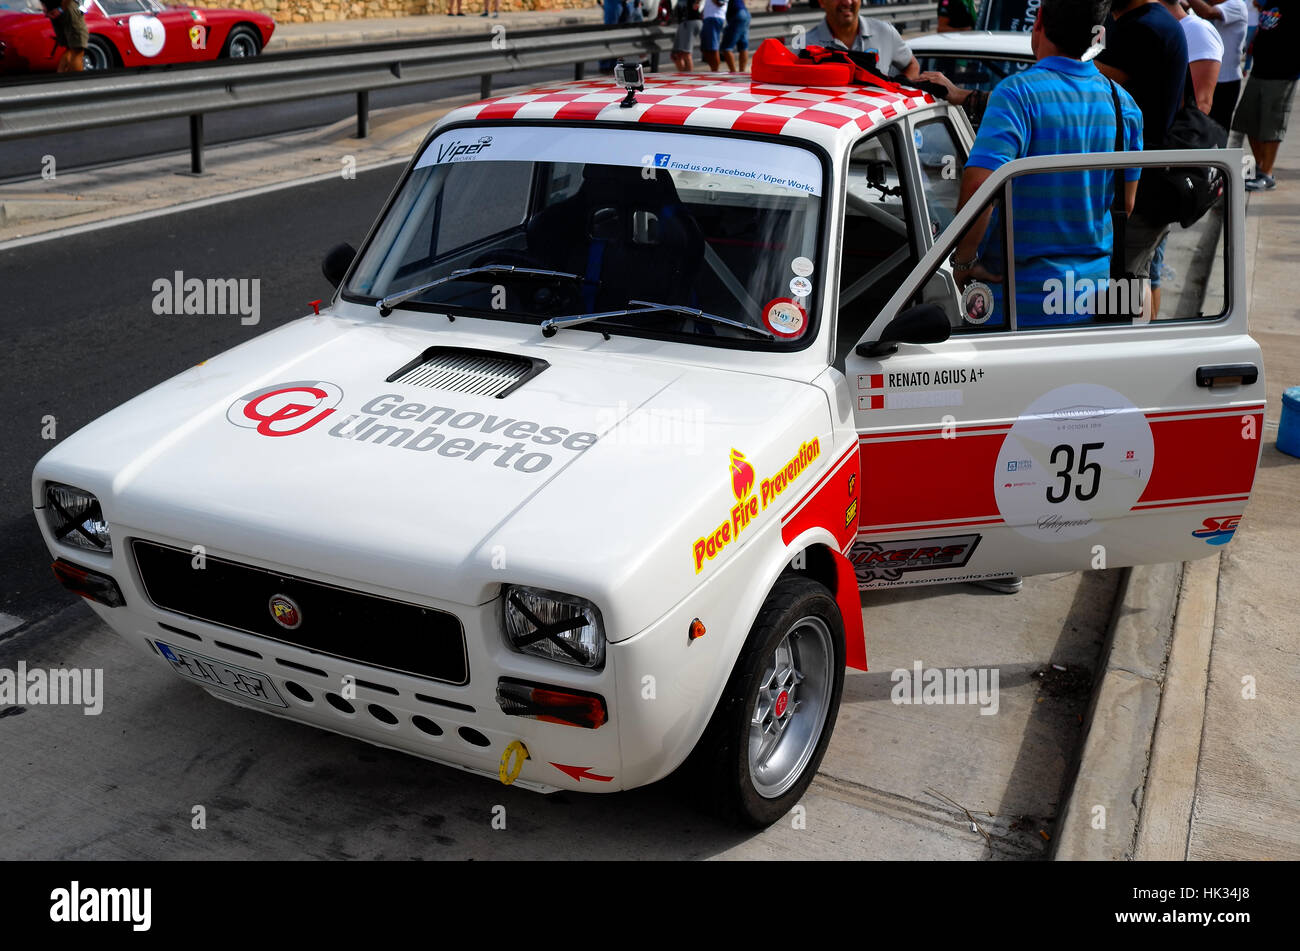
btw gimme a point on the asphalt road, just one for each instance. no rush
(21, 159)
(81, 337)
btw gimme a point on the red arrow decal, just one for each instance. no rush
(580, 773)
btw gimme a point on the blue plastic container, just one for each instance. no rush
(1288, 429)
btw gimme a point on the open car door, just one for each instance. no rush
(1052, 430)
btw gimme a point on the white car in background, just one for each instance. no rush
(973, 59)
(977, 59)
(622, 401)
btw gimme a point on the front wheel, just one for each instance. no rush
(767, 737)
(242, 43)
(100, 55)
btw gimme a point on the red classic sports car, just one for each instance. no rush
(130, 33)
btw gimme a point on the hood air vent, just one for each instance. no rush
(460, 370)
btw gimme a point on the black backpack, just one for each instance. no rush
(1184, 193)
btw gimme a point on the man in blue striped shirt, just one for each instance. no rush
(1062, 227)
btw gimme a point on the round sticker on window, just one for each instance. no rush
(977, 303)
(802, 267)
(800, 286)
(1076, 456)
(784, 317)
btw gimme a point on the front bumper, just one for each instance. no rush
(457, 725)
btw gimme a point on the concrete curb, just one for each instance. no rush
(1102, 810)
(1165, 823)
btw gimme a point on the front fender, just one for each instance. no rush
(668, 685)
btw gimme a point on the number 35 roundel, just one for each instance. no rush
(1077, 456)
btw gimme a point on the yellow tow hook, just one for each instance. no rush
(512, 761)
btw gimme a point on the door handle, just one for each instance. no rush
(1231, 374)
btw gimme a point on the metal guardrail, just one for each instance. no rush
(92, 102)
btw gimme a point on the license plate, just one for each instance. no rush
(248, 684)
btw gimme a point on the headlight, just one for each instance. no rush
(75, 518)
(556, 626)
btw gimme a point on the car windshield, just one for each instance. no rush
(125, 7)
(593, 219)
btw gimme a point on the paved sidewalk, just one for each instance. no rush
(1246, 800)
(1198, 757)
(83, 198)
(297, 36)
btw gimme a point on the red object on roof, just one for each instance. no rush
(774, 62)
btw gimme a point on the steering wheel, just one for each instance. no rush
(508, 256)
(541, 295)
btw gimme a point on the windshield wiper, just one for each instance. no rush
(387, 304)
(554, 324)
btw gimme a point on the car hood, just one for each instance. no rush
(296, 451)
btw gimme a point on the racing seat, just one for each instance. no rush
(629, 235)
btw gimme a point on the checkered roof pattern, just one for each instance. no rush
(824, 114)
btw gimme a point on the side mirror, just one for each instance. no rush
(337, 262)
(924, 323)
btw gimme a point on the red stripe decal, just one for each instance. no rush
(958, 428)
(1237, 410)
(909, 529)
(832, 504)
(926, 480)
(1195, 458)
(818, 484)
(1165, 505)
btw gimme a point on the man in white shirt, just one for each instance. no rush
(1230, 18)
(844, 29)
(715, 20)
(1204, 53)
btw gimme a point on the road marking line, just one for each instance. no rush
(8, 622)
(187, 206)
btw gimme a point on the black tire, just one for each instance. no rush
(100, 55)
(242, 43)
(722, 762)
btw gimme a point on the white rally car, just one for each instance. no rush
(621, 402)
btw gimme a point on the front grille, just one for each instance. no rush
(350, 625)
(459, 370)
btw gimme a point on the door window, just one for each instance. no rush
(878, 243)
(941, 160)
(1065, 270)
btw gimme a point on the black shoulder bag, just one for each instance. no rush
(1184, 193)
(1119, 222)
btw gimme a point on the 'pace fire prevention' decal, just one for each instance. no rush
(748, 505)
